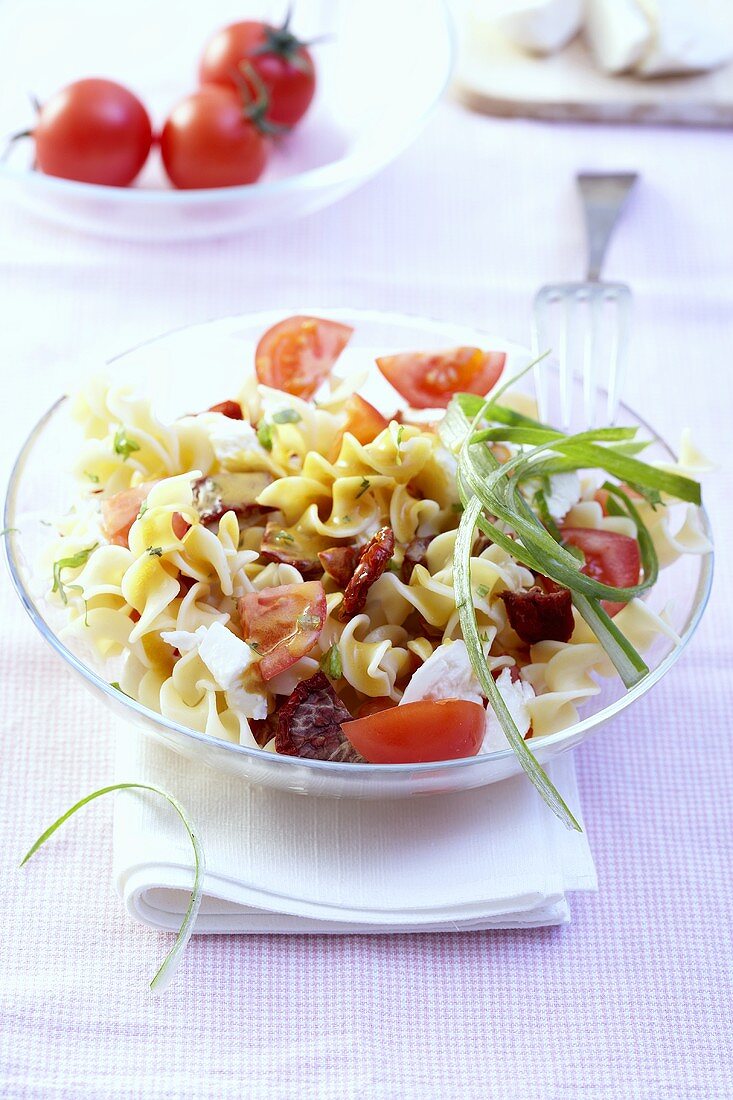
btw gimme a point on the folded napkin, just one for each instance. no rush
(495, 857)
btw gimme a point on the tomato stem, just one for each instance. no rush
(256, 100)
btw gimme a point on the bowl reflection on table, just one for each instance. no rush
(169, 369)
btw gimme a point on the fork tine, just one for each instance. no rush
(567, 307)
(590, 356)
(619, 353)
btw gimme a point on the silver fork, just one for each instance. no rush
(586, 324)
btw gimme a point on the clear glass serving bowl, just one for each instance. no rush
(356, 125)
(192, 368)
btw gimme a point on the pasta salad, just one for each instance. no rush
(293, 570)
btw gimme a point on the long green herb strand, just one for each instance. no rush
(167, 968)
(469, 628)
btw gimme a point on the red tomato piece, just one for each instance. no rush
(363, 421)
(282, 62)
(610, 558)
(283, 623)
(180, 525)
(298, 354)
(442, 729)
(208, 140)
(428, 379)
(230, 409)
(374, 706)
(120, 511)
(95, 131)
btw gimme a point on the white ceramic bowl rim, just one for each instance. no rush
(329, 767)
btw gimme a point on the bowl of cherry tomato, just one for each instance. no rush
(212, 119)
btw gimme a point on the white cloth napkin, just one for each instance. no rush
(495, 857)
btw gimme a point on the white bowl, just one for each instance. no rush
(379, 78)
(169, 370)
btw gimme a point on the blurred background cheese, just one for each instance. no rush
(539, 26)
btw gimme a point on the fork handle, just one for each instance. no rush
(603, 197)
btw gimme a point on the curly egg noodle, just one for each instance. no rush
(154, 607)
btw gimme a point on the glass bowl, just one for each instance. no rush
(354, 128)
(169, 369)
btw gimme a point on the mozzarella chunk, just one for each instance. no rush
(539, 26)
(688, 36)
(516, 694)
(564, 493)
(230, 438)
(227, 658)
(618, 33)
(447, 674)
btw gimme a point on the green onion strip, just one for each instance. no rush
(168, 966)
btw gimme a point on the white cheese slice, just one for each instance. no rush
(618, 32)
(516, 694)
(539, 26)
(230, 438)
(447, 674)
(564, 493)
(227, 657)
(688, 36)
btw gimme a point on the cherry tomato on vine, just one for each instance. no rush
(282, 61)
(213, 139)
(95, 131)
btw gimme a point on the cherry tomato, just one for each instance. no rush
(363, 421)
(298, 354)
(609, 557)
(209, 140)
(94, 131)
(283, 623)
(428, 379)
(281, 60)
(120, 511)
(441, 729)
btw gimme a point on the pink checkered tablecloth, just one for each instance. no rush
(633, 999)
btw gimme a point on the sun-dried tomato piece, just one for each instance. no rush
(309, 723)
(496, 673)
(373, 561)
(414, 555)
(232, 409)
(538, 616)
(263, 729)
(339, 562)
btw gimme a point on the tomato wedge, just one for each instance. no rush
(609, 557)
(441, 729)
(120, 511)
(428, 379)
(363, 421)
(283, 623)
(297, 354)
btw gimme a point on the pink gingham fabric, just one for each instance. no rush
(633, 998)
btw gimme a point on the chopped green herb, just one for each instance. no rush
(123, 445)
(482, 591)
(11, 530)
(155, 551)
(45, 522)
(143, 509)
(92, 477)
(254, 645)
(365, 483)
(116, 685)
(167, 968)
(346, 519)
(398, 441)
(330, 663)
(264, 435)
(286, 416)
(484, 638)
(74, 562)
(283, 536)
(457, 507)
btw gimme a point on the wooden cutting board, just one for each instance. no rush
(497, 78)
